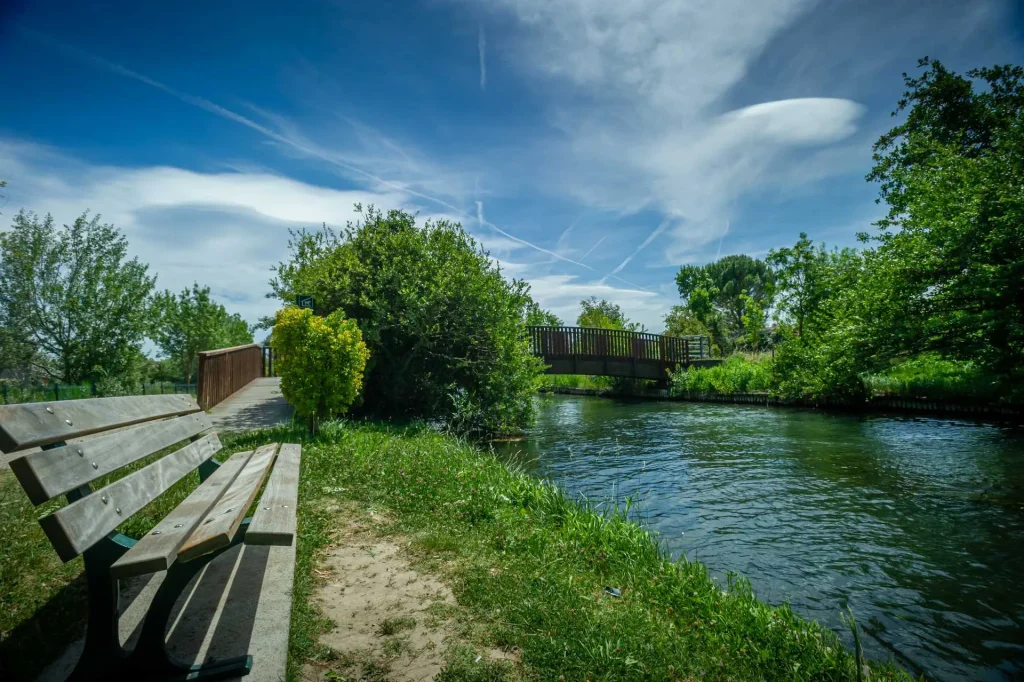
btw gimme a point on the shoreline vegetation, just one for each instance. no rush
(527, 564)
(530, 567)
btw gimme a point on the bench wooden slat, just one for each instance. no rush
(159, 548)
(49, 473)
(81, 524)
(222, 521)
(274, 521)
(30, 424)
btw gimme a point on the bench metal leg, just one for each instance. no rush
(149, 659)
(102, 641)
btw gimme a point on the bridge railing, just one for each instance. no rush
(616, 343)
(224, 371)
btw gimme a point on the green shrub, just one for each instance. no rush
(321, 362)
(444, 327)
(736, 375)
(932, 376)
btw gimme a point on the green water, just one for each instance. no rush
(916, 523)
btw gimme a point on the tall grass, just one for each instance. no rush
(548, 382)
(930, 376)
(927, 376)
(738, 374)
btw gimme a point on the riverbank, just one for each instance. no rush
(528, 567)
(877, 404)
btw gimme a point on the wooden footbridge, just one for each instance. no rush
(616, 352)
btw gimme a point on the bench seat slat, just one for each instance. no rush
(31, 424)
(222, 521)
(274, 521)
(81, 524)
(158, 549)
(48, 473)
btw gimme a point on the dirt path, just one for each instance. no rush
(392, 622)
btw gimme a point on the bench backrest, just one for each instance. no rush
(123, 430)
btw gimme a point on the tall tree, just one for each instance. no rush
(538, 317)
(604, 314)
(948, 271)
(725, 282)
(74, 295)
(185, 324)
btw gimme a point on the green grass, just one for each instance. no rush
(528, 567)
(738, 374)
(932, 377)
(547, 382)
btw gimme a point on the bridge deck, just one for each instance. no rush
(259, 404)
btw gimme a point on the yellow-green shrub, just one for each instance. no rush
(321, 361)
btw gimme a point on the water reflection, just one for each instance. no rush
(916, 524)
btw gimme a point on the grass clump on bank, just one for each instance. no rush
(737, 374)
(531, 566)
(928, 377)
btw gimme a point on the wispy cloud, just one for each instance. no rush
(481, 44)
(300, 145)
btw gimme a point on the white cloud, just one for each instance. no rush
(225, 230)
(642, 108)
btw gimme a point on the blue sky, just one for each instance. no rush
(592, 146)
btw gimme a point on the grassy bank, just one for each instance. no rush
(926, 377)
(531, 566)
(527, 565)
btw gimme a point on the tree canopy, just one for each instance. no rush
(74, 295)
(948, 270)
(605, 315)
(185, 324)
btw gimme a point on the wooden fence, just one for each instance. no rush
(224, 371)
(551, 342)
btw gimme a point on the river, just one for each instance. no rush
(916, 523)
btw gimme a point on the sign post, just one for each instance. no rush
(304, 301)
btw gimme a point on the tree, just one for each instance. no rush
(538, 317)
(74, 295)
(444, 328)
(190, 322)
(605, 315)
(681, 321)
(321, 362)
(948, 271)
(754, 319)
(725, 282)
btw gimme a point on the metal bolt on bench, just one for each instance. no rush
(205, 525)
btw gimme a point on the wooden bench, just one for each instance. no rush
(207, 523)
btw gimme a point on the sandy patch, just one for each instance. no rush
(392, 621)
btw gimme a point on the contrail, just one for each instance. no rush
(583, 257)
(719, 254)
(650, 238)
(214, 108)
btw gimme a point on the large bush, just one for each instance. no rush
(445, 329)
(321, 362)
